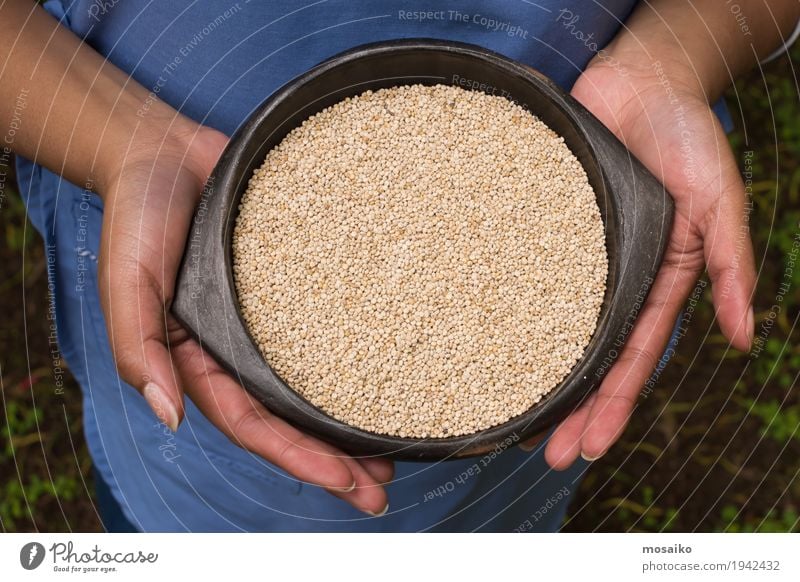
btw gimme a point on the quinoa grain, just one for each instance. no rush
(421, 261)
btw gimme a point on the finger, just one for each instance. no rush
(564, 446)
(135, 319)
(251, 426)
(729, 254)
(141, 246)
(620, 388)
(531, 443)
(368, 495)
(382, 470)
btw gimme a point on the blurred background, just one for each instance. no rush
(713, 446)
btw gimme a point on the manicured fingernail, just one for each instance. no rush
(343, 489)
(751, 326)
(162, 405)
(586, 457)
(380, 513)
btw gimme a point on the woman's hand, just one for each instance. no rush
(652, 87)
(665, 121)
(84, 122)
(149, 205)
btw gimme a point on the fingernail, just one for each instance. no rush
(380, 513)
(751, 326)
(528, 447)
(586, 457)
(343, 489)
(161, 404)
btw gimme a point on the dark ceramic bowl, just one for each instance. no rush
(636, 209)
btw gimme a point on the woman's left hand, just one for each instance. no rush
(666, 122)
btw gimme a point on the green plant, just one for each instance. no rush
(785, 520)
(21, 423)
(781, 422)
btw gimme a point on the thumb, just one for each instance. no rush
(729, 257)
(137, 327)
(142, 240)
(147, 217)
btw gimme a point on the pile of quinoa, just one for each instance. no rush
(421, 261)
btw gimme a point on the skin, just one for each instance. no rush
(700, 49)
(80, 120)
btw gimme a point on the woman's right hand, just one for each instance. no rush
(149, 204)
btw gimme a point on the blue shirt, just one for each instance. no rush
(215, 61)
